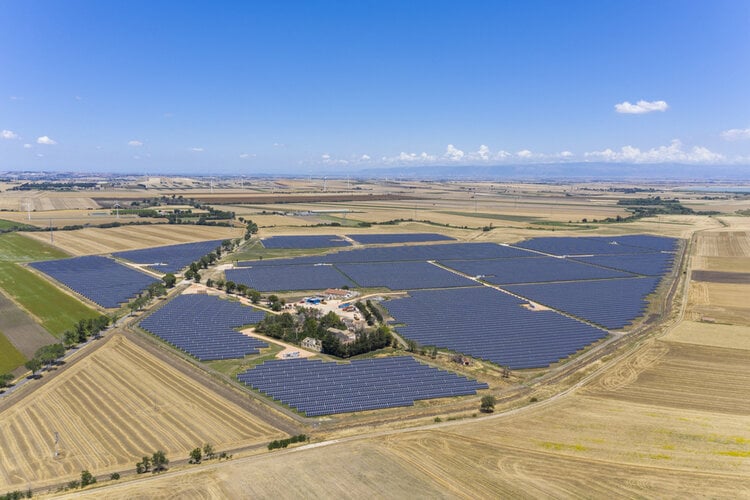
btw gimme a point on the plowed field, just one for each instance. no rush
(101, 241)
(111, 408)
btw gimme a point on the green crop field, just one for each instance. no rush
(9, 225)
(10, 357)
(15, 247)
(56, 310)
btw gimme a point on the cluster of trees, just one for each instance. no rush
(193, 272)
(238, 288)
(366, 341)
(487, 404)
(251, 228)
(16, 495)
(206, 453)
(309, 323)
(369, 312)
(283, 443)
(157, 462)
(45, 356)
(87, 478)
(5, 379)
(154, 290)
(85, 328)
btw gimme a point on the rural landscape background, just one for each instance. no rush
(323, 250)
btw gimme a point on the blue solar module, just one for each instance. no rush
(603, 245)
(99, 279)
(386, 238)
(402, 275)
(318, 241)
(439, 252)
(610, 303)
(280, 278)
(650, 264)
(172, 258)
(490, 325)
(203, 326)
(316, 388)
(533, 270)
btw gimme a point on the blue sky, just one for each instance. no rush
(251, 87)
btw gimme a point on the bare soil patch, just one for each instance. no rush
(721, 277)
(23, 332)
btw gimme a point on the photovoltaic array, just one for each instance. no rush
(172, 258)
(316, 388)
(277, 278)
(490, 325)
(99, 279)
(648, 264)
(203, 326)
(402, 275)
(532, 270)
(386, 238)
(318, 241)
(610, 303)
(600, 245)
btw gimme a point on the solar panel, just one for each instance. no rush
(402, 275)
(386, 238)
(317, 241)
(316, 388)
(203, 326)
(99, 279)
(172, 258)
(650, 264)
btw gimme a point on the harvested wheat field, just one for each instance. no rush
(91, 241)
(720, 302)
(111, 408)
(709, 334)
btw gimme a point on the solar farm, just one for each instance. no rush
(171, 258)
(473, 298)
(99, 279)
(316, 388)
(300, 242)
(204, 327)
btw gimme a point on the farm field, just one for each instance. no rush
(16, 247)
(20, 330)
(691, 332)
(56, 310)
(110, 408)
(10, 357)
(91, 241)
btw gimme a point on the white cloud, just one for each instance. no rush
(565, 154)
(27, 146)
(452, 153)
(197, 150)
(16, 98)
(78, 98)
(39, 155)
(45, 140)
(663, 154)
(736, 134)
(365, 158)
(525, 154)
(641, 107)
(278, 145)
(8, 134)
(247, 155)
(135, 143)
(326, 156)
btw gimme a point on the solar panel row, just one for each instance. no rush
(649, 264)
(203, 326)
(99, 279)
(316, 388)
(317, 241)
(600, 245)
(386, 238)
(172, 258)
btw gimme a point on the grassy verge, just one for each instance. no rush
(9, 225)
(56, 310)
(505, 217)
(10, 357)
(15, 247)
(232, 367)
(254, 251)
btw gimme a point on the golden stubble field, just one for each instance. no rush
(90, 241)
(111, 408)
